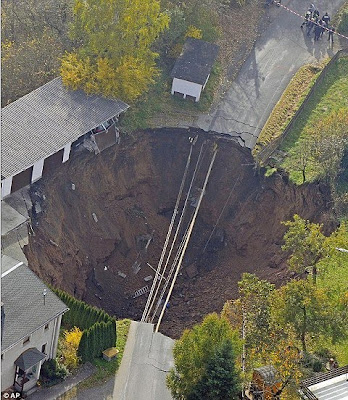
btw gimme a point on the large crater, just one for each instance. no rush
(100, 211)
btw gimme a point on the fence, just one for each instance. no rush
(263, 155)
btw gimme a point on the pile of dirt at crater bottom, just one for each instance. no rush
(106, 216)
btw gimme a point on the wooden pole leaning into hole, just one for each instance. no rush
(187, 239)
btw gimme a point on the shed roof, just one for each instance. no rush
(268, 373)
(196, 60)
(45, 120)
(29, 358)
(24, 306)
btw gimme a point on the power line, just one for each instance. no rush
(175, 212)
(187, 239)
(177, 228)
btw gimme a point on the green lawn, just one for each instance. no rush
(330, 96)
(335, 278)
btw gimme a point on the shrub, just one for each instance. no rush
(317, 365)
(193, 32)
(53, 370)
(69, 348)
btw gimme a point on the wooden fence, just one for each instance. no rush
(263, 155)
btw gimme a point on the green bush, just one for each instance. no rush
(51, 369)
(324, 354)
(317, 365)
(80, 314)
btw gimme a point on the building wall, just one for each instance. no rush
(66, 153)
(186, 88)
(37, 170)
(37, 339)
(6, 185)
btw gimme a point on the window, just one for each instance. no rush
(47, 326)
(26, 340)
(43, 348)
(2, 356)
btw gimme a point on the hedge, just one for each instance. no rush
(98, 327)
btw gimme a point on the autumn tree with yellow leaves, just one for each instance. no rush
(113, 55)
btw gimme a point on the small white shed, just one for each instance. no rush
(192, 69)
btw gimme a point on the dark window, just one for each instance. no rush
(43, 349)
(47, 326)
(26, 340)
(2, 356)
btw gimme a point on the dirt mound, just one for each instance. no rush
(105, 217)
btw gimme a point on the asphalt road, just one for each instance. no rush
(276, 57)
(141, 376)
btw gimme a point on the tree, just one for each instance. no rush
(306, 243)
(251, 312)
(195, 350)
(114, 39)
(329, 141)
(221, 379)
(303, 308)
(34, 37)
(310, 248)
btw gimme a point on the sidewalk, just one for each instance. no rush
(53, 392)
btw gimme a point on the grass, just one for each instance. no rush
(340, 20)
(331, 95)
(336, 278)
(107, 369)
(288, 104)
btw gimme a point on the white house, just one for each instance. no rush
(192, 69)
(39, 129)
(30, 323)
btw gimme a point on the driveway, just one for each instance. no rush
(281, 50)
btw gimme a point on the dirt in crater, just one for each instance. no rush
(106, 216)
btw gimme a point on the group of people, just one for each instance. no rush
(319, 25)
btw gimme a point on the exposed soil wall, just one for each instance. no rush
(99, 213)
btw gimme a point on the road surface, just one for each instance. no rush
(281, 50)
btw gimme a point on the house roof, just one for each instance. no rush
(29, 358)
(45, 120)
(24, 306)
(195, 61)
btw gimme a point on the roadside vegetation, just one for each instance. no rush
(327, 108)
(316, 147)
(289, 103)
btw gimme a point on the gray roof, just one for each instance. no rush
(195, 61)
(45, 120)
(25, 311)
(29, 358)
(268, 374)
